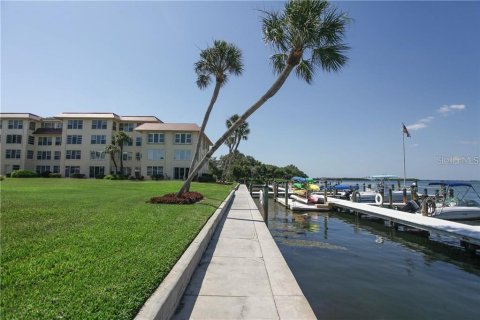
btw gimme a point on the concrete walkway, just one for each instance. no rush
(242, 274)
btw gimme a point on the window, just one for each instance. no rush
(57, 155)
(182, 155)
(15, 124)
(74, 139)
(98, 139)
(42, 169)
(48, 125)
(156, 154)
(75, 124)
(156, 138)
(12, 154)
(97, 155)
(14, 138)
(154, 171)
(58, 141)
(29, 154)
(44, 155)
(114, 127)
(138, 156)
(183, 138)
(126, 155)
(71, 170)
(180, 173)
(126, 126)
(99, 124)
(31, 125)
(73, 155)
(44, 141)
(31, 140)
(97, 172)
(56, 169)
(138, 141)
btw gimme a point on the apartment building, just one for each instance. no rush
(75, 143)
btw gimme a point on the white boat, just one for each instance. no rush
(372, 195)
(455, 202)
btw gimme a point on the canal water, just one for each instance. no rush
(352, 268)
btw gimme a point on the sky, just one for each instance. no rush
(410, 62)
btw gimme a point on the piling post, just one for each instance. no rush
(275, 191)
(265, 203)
(286, 194)
(390, 198)
(398, 184)
(414, 193)
(364, 187)
(382, 192)
(250, 187)
(404, 195)
(325, 192)
(425, 192)
(369, 186)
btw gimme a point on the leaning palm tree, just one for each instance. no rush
(120, 139)
(217, 62)
(306, 35)
(112, 149)
(241, 133)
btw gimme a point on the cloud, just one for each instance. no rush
(448, 109)
(420, 124)
(470, 142)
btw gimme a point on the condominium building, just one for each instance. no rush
(75, 143)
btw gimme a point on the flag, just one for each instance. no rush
(405, 130)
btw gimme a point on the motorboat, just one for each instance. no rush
(455, 201)
(372, 195)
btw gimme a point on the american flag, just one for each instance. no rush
(405, 130)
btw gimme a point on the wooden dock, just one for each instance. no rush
(300, 206)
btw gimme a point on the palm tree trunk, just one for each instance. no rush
(112, 155)
(270, 93)
(121, 160)
(202, 130)
(231, 156)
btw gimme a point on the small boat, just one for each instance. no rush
(455, 201)
(371, 196)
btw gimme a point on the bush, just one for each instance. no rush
(2, 178)
(141, 178)
(131, 178)
(55, 175)
(157, 177)
(110, 177)
(206, 178)
(171, 198)
(45, 174)
(99, 176)
(23, 174)
(78, 175)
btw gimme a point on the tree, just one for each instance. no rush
(112, 149)
(241, 133)
(305, 35)
(119, 139)
(218, 61)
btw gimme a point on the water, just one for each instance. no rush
(351, 268)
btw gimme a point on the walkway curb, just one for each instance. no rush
(163, 302)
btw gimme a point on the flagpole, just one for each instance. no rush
(404, 171)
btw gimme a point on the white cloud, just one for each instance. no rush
(448, 109)
(420, 124)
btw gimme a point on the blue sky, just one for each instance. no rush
(411, 62)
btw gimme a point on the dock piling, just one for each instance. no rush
(265, 203)
(325, 192)
(286, 194)
(390, 198)
(404, 195)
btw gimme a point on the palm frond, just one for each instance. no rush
(305, 71)
(203, 81)
(330, 58)
(279, 61)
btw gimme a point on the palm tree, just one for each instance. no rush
(306, 35)
(218, 61)
(112, 149)
(241, 133)
(120, 139)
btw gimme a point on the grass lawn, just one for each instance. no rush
(83, 249)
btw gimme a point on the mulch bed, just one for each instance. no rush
(171, 198)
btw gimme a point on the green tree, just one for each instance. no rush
(305, 35)
(217, 62)
(112, 149)
(233, 142)
(120, 139)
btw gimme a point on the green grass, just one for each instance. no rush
(91, 249)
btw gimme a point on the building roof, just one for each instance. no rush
(48, 131)
(87, 115)
(181, 127)
(140, 119)
(20, 115)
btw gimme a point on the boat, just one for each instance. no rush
(302, 183)
(454, 201)
(372, 195)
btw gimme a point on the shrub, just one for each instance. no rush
(171, 198)
(55, 175)
(141, 178)
(23, 174)
(206, 178)
(157, 177)
(78, 175)
(131, 178)
(110, 177)
(45, 174)
(2, 178)
(99, 176)
(8, 175)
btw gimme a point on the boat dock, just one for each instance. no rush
(468, 235)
